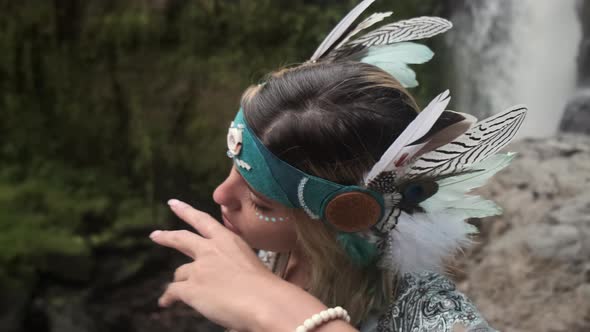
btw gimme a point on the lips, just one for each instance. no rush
(229, 225)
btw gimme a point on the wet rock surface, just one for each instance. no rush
(576, 117)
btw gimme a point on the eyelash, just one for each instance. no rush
(258, 207)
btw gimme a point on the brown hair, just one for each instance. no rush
(334, 121)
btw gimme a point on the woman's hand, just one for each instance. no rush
(226, 282)
(218, 282)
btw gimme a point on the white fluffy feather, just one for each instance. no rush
(421, 241)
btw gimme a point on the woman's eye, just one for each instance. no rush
(261, 208)
(257, 206)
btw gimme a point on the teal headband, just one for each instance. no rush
(279, 181)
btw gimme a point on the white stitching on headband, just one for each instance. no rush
(301, 198)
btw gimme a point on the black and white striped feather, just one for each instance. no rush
(481, 141)
(405, 30)
(367, 23)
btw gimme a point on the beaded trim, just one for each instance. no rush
(300, 189)
(243, 164)
(323, 317)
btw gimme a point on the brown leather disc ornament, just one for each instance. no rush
(353, 212)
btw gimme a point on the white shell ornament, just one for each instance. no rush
(234, 140)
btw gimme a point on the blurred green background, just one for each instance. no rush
(109, 108)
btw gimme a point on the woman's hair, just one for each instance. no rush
(334, 121)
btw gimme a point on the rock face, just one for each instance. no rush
(576, 117)
(531, 269)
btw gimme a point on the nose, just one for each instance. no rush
(226, 194)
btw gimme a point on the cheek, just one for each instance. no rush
(277, 235)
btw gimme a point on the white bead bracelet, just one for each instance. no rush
(323, 317)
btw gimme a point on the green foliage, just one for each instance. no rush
(109, 108)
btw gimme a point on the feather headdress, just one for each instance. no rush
(427, 172)
(388, 47)
(428, 192)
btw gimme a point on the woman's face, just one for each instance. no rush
(262, 223)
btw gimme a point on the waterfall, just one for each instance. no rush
(508, 52)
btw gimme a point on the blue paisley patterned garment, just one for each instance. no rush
(428, 302)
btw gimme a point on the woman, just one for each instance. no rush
(353, 197)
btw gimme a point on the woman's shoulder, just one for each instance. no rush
(428, 302)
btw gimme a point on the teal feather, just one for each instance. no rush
(407, 52)
(452, 194)
(395, 58)
(360, 251)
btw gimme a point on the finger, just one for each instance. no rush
(173, 293)
(183, 272)
(181, 240)
(201, 221)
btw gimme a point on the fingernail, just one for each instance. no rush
(177, 204)
(161, 303)
(155, 233)
(173, 202)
